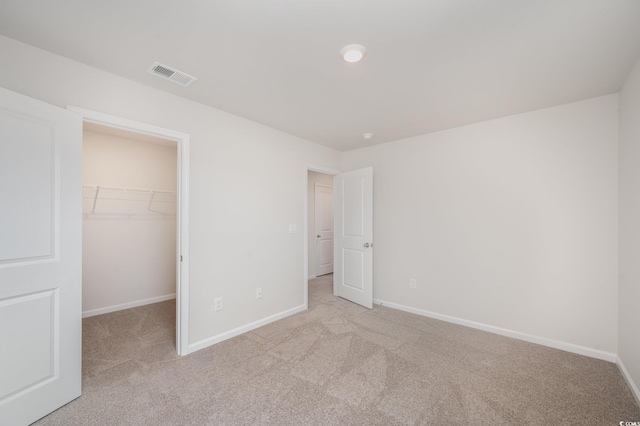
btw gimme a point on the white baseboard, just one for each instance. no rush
(556, 344)
(630, 382)
(129, 305)
(237, 331)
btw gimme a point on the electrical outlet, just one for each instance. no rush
(217, 303)
(259, 293)
(412, 283)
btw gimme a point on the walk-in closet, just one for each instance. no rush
(129, 219)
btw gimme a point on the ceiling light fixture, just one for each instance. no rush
(367, 136)
(353, 53)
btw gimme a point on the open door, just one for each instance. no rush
(40, 258)
(353, 220)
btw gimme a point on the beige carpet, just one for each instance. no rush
(336, 363)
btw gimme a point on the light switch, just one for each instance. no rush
(293, 228)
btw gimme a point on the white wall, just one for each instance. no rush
(127, 259)
(248, 183)
(629, 296)
(510, 223)
(322, 179)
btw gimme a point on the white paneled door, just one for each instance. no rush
(323, 204)
(354, 236)
(40, 258)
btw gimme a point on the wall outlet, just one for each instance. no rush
(293, 228)
(259, 293)
(217, 304)
(412, 283)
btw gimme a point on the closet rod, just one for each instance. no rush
(121, 188)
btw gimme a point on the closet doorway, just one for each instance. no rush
(134, 216)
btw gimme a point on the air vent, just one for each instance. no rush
(171, 74)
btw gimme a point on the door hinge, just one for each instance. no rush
(180, 258)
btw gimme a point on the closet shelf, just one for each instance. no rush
(113, 200)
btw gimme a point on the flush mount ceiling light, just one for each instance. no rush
(353, 52)
(367, 136)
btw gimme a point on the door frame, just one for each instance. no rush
(328, 171)
(182, 239)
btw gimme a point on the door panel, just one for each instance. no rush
(40, 258)
(353, 261)
(354, 236)
(354, 220)
(33, 319)
(325, 254)
(31, 214)
(323, 202)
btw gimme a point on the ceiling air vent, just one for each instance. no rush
(171, 74)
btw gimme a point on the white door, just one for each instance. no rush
(40, 258)
(354, 236)
(323, 205)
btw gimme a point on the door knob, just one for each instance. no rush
(318, 236)
(366, 244)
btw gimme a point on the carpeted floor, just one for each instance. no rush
(337, 364)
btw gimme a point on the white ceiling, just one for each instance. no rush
(430, 64)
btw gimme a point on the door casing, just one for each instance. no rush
(182, 240)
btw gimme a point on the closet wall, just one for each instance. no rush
(129, 239)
